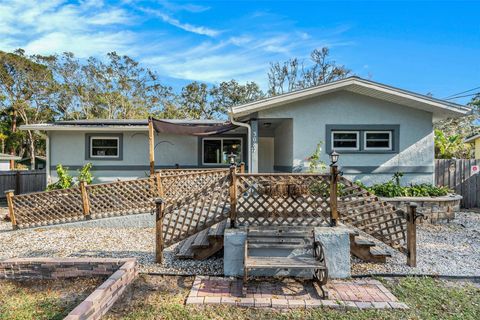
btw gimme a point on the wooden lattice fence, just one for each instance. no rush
(106, 199)
(283, 199)
(362, 210)
(197, 211)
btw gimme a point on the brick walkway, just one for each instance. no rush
(292, 293)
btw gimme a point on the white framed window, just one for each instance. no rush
(377, 140)
(345, 140)
(104, 147)
(215, 151)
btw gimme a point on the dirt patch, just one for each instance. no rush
(43, 299)
(148, 290)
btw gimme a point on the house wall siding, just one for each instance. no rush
(310, 117)
(68, 148)
(283, 146)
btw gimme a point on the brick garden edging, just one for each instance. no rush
(121, 273)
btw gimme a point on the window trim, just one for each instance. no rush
(221, 147)
(394, 128)
(104, 138)
(102, 135)
(390, 140)
(357, 133)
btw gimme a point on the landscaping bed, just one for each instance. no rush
(43, 299)
(163, 297)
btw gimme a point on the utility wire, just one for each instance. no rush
(456, 94)
(467, 95)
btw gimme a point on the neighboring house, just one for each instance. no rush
(5, 161)
(475, 141)
(40, 162)
(377, 129)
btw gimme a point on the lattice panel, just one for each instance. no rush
(44, 208)
(177, 187)
(122, 197)
(173, 172)
(279, 199)
(197, 211)
(377, 218)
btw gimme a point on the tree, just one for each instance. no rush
(114, 88)
(453, 146)
(198, 101)
(24, 89)
(294, 75)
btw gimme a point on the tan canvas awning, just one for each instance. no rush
(189, 129)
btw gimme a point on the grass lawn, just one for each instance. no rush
(43, 299)
(156, 297)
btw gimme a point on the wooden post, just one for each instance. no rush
(158, 179)
(85, 200)
(151, 146)
(412, 235)
(9, 194)
(18, 187)
(159, 206)
(233, 195)
(333, 195)
(242, 167)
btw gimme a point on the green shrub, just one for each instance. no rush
(393, 188)
(65, 180)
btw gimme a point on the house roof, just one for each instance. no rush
(108, 124)
(5, 156)
(440, 108)
(472, 138)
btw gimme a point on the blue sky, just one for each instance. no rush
(427, 47)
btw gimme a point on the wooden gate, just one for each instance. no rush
(457, 175)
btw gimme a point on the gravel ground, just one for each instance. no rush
(448, 249)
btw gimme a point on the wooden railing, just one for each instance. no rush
(362, 210)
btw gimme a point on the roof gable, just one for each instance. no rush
(441, 109)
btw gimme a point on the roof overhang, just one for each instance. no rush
(441, 109)
(108, 125)
(472, 138)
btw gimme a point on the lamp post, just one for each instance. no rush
(333, 188)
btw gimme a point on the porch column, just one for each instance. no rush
(254, 146)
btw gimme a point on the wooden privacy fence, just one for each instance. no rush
(457, 175)
(104, 200)
(22, 181)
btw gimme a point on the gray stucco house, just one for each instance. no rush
(377, 129)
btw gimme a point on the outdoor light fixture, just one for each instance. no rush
(334, 157)
(267, 124)
(232, 157)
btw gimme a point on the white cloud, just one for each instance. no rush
(242, 49)
(201, 30)
(53, 26)
(195, 8)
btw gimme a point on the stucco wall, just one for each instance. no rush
(283, 146)
(416, 151)
(68, 149)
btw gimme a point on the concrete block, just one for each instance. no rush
(336, 245)
(234, 251)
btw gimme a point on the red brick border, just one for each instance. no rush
(121, 271)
